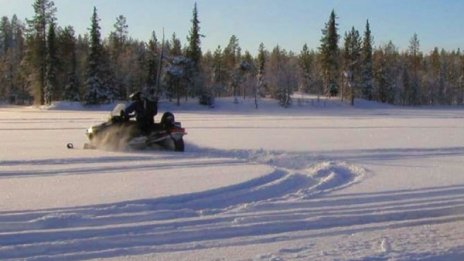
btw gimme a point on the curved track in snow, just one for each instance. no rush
(259, 210)
(249, 208)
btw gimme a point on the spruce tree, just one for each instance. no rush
(367, 71)
(193, 53)
(194, 42)
(330, 56)
(96, 91)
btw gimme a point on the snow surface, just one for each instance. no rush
(317, 181)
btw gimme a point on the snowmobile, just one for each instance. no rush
(120, 132)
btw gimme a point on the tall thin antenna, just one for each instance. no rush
(160, 65)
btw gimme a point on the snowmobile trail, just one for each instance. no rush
(250, 212)
(223, 213)
(294, 196)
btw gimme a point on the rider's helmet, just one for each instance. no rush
(136, 96)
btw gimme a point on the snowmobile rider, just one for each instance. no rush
(144, 109)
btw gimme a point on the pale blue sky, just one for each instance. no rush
(289, 23)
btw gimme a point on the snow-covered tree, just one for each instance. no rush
(178, 76)
(281, 75)
(261, 72)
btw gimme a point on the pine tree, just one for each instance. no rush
(330, 56)
(96, 89)
(37, 43)
(51, 91)
(367, 71)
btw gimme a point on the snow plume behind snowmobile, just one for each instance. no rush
(121, 133)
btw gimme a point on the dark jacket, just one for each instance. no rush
(145, 111)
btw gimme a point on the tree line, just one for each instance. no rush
(41, 62)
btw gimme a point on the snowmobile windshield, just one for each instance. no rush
(118, 110)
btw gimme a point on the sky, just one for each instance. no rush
(287, 23)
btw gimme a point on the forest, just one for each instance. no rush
(42, 62)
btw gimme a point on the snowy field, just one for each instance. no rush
(320, 181)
